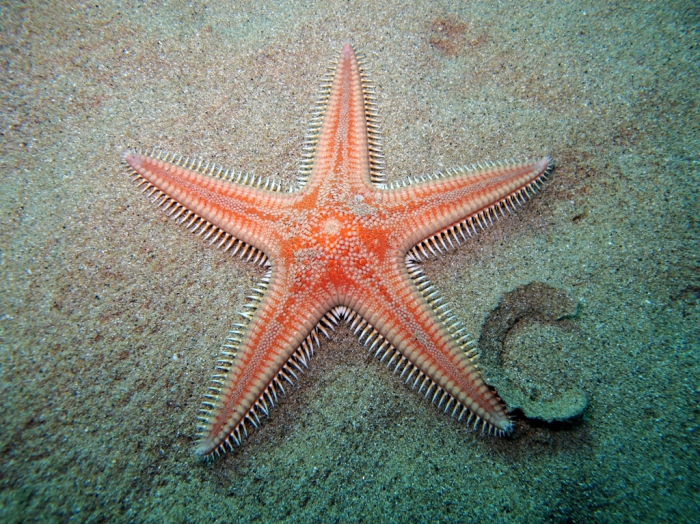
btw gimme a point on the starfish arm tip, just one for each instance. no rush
(128, 156)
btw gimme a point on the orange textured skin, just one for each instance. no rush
(340, 241)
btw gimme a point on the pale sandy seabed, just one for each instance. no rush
(111, 316)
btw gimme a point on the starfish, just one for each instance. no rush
(339, 244)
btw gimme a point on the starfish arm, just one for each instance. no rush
(239, 212)
(261, 356)
(345, 152)
(426, 348)
(448, 205)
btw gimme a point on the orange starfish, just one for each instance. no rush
(342, 244)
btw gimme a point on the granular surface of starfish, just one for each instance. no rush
(341, 244)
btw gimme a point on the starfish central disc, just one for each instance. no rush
(331, 228)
